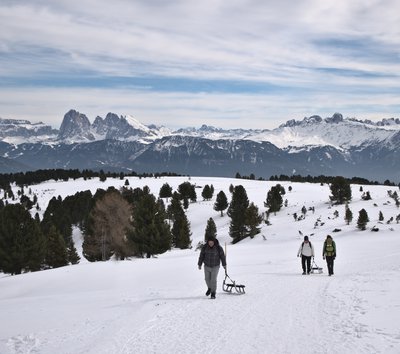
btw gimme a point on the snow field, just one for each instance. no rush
(158, 305)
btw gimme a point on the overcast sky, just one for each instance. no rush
(226, 63)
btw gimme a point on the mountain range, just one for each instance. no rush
(312, 146)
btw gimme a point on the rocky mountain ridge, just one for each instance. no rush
(76, 128)
(314, 145)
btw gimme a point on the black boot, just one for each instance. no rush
(208, 292)
(212, 295)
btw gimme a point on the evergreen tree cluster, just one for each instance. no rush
(119, 223)
(22, 243)
(51, 237)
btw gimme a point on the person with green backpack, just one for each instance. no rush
(329, 252)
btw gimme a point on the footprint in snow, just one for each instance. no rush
(24, 344)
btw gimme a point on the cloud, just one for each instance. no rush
(268, 52)
(175, 110)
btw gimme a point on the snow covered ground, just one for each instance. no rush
(158, 305)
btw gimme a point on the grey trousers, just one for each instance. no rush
(211, 274)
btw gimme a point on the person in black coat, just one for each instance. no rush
(212, 255)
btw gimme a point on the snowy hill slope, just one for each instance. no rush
(158, 305)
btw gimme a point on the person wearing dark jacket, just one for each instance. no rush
(212, 255)
(329, 252)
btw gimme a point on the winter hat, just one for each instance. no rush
(211, 239)
(305, 238)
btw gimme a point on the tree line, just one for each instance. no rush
(316, 179)
(38, 176)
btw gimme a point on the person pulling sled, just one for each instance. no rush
(306, 251)
(212, 255)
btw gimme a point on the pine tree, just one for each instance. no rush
(22, 244)
(253, 220)
(102, 176)
(72, 254)
(362, 219)
(221, 203)
(165, 191)
(192, 194)
(206, 193)
(341, 190)
(274, 199)
(56, 250)
(181, 231)
(366, 196)
(181, 227)
(174, 206)
(150, 232)
(211, 230)
(348, 215)
(237, 213)
(58, 214)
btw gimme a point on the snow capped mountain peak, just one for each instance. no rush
(134, 123)
(18, 131)
(315, 119)
(77, 128)
(74, 126)
(335, 131)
